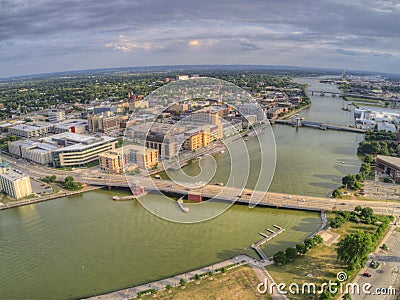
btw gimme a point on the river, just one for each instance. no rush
(88, 244)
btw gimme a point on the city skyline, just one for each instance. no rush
(50, 36)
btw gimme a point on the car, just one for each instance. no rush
(99, 177)
(374, 264)
(366, 274)
(303, 200)
(288, 197)
(342, 203)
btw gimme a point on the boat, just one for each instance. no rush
(346, 108)
(222, 151)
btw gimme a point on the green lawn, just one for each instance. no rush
(320, 262)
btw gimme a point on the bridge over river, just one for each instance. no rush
(248, 196)
(324, 126)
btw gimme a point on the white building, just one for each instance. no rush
(16, 184)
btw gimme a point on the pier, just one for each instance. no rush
(124, 198)
(180, 204)
(266, 238)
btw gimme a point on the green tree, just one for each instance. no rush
(354, 248)
(168, 287)
(182, 282)
(368, 159)
(290, 253)
(279, 258)
(346, 296)
(336, 193)
(309, 243)
(367, 213)
(358, 208)
(375, 147)
(69, 179)
(350, 181)
(301, 248)
(365, 169)
(318, 239)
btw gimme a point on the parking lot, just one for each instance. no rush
(381, 191)
(387, 276)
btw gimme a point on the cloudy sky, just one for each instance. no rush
(38, 36)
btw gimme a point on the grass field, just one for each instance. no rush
(240, 283)
(319, 264)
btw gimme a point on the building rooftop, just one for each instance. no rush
(395, 161)
(73, 141)
(13, 175)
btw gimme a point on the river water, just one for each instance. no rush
(88, 244)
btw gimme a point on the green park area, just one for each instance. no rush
(358, 234)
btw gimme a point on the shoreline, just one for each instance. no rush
(60, 194)
(291, 113)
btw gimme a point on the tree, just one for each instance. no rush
(354, 248)
(290, 253)
(346, 296)
(358, 208)
(350, 181)
(68, 179)
(182, 282)
(309, 243)
(318, 239)
(375, 147)
(168, 287)
(336, 193)
(53, 178)
(368, 158)
(279, 258)
(301, 248)
(365, 169)
(367, 213)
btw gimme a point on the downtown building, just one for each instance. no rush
(78, 150)
(15, 184)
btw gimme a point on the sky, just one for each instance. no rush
(39, 36)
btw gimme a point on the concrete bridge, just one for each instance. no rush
(324, 126)
(325, 93)
(248, 196)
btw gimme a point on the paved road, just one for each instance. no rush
(387, 274)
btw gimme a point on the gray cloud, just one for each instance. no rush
(123, 32)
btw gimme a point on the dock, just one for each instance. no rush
(124, 198)
(266, 238)
(180, 204)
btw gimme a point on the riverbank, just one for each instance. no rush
(60, 194)
(293, 112)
